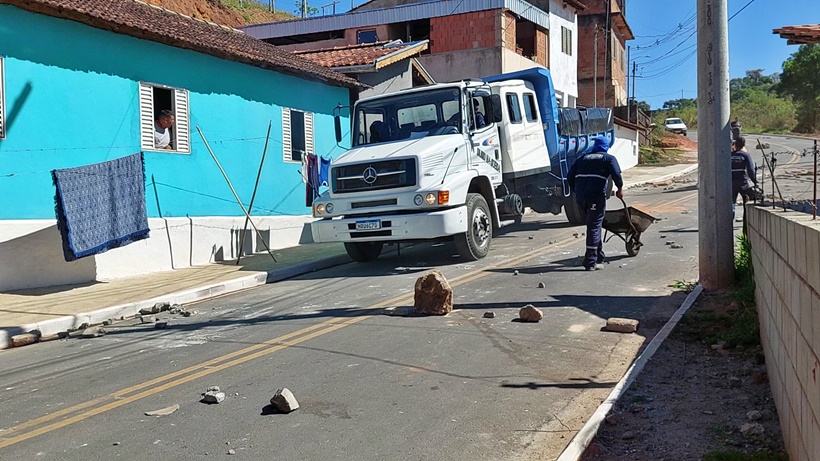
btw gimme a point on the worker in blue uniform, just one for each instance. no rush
(588, 178)
(744, 178)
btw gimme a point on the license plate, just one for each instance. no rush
(370, 224)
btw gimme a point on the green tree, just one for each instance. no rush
(800, 81)
(644, 106)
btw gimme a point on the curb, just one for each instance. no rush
(578, 445)
(62, 324)
(683, 172)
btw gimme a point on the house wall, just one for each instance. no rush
(611, 90)
(625, 147)
(317, 45)
(785, 254)
(464, 31)
(563, 67)
(68, 107)
(395, 77)
(458, 65)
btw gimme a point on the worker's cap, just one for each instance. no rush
(600, 144)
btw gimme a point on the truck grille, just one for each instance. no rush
(387, 174)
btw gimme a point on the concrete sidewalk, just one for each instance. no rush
(57, 309)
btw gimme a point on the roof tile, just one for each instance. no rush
(807, 34)
(353, 55)
(149, 22)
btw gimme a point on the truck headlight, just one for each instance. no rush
(329, 208)
(430, 199)
(320, 208)
(418, 200)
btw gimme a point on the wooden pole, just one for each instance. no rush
(253, 196)
(233, 191)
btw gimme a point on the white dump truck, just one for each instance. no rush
(454, 161)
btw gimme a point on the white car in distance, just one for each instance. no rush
(675, 125)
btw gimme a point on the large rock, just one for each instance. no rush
(530, 313)
(434, 295)
(26, 338)
(284, 401)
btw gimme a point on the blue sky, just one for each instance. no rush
(670, 66)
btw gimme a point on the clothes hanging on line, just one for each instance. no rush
(101, 206)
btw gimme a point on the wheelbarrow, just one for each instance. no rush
(628, 224)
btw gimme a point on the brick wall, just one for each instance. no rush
(786, 257)
(479, 29)
(542, 47)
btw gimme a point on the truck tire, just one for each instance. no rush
(364, 251)
(475, 243)
(575, 215)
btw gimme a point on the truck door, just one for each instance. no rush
(486, 150)
(524, 145)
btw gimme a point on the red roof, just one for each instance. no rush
(807, 35)
(364, 54)
(576, 4)
(148, 22)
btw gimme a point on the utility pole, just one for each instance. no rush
(628, 105)
(634, 72)
(595, 70)
(716, 239)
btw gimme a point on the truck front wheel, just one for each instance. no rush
(364, 251)
(475, 243)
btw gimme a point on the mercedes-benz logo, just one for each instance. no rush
(370, 174)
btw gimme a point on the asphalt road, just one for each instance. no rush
(371, 386)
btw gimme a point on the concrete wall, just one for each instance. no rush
(625, 147)
(458, 65)
(395, 77)
(563, 67)
(32, 254)
(786, 255)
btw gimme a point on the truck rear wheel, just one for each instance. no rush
(575, 215)
(475, 243)
(364, 251)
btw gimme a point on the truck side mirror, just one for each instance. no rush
(337, 123)
(495, 108)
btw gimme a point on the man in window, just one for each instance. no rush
(162, 135)
(480, 122)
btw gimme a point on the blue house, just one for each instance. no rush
(81, 82)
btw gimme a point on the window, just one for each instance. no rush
(2, 100)
(153, 100)
(297, 134)
(566, 41)
(366, 36)
(530, 108)
(514, 108)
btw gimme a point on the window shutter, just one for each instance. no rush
(309, 133)
(287, 152)
(146, 116)
(2, 100)
(182, 140)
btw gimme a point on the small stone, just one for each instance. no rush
(515, 272)
(231, 451)
(213, 397)
(26, 338)
(767, 414)
(620, 325)
(160, 307)
(83, 326)
(530, 313)
(752, 430)
(116, 444)
(541, 285)
(576, 235)
(161, 325)
(734, 381)
(147, 319)
(708, 412)
(284, 401)
(628, 435)
(611, 420)
(146, 311)
(189, 312)
(754, 415)
(718, 346)
(676, 247)
(669, 242)
(108, 322)
(530, 237)
(433, 294)
(489, 315)
(93, 332)
(663, 236)
(213, 389)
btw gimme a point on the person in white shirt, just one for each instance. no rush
(162, 135)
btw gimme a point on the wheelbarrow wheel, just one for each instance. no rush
(633, 245)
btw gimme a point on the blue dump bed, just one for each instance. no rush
(568, 131)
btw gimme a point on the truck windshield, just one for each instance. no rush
(408, 116)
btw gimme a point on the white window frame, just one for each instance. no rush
(287, 146)
(2, 98)
(180, 108)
